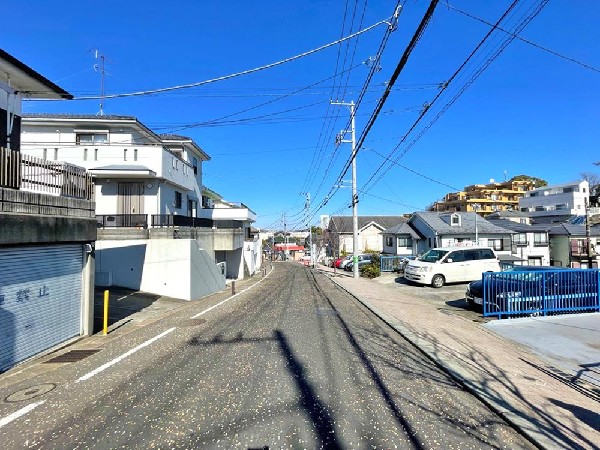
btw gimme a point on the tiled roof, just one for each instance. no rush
(77, 116)
(174, 137)
(440, 222)
(343, 224)
(403, 228)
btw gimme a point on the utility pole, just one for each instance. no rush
(285, 239)
(340, 139)
(588, 235)
(309, 229)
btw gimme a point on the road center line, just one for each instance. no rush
(229, 298)
(123, 356)
(8, 419)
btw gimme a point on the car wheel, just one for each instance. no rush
(438, 281)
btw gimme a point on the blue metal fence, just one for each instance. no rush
(514, 294)
(389, 263)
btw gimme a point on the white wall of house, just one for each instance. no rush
(396, 245)
(568, 198)
(253, 256)
(171, 267)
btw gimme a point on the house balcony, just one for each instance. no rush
(144, 162)
(131, 162)
(235, 212)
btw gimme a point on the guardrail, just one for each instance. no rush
(24, 172)
(515, 294)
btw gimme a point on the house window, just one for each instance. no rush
(135, 154)
(389, 241)
(175, 163)
(540, 239)
(496, 244)
(95, 154)
(45, 154)
(404, 242)
(455, 220)
(55, 154)
(178, 199)
(195, 165)
(520, 239)
(124, 154)
(85, 152)
(91, 138)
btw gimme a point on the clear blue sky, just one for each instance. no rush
(530, 112)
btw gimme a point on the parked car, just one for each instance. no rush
(404, 262)
(530, 289)
(345, 261)
(444, 265)
(363, 260)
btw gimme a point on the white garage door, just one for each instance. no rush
(40, 299)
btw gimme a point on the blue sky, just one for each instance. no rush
(529, 112)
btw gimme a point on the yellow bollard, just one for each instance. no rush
(105, 312)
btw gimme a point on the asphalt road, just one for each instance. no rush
(295, 362)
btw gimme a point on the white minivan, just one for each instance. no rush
(451, 264)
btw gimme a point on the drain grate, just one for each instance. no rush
(72, 356)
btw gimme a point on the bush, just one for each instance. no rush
(370, 271)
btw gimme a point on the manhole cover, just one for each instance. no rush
(72, 356)
(30, 392)
(193, 322)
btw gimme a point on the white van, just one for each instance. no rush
(451, 264)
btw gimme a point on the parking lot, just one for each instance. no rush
(449, 299)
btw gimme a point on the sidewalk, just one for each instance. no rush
(551, 411)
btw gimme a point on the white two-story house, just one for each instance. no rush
(139, 175)
(148, 203)
(556, 203)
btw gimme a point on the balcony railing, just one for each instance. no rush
(175, 220)
(122, 220)
(24, 172)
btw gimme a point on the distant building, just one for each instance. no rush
(556, 203)
(338, 236)
(485, 198)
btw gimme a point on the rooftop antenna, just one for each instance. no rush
(505, 174)
(102, 77)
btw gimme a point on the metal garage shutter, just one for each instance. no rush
(40, 299)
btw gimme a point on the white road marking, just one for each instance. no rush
(229, 298)
(123, 356)
(8, 419)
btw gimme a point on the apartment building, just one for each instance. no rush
(485, 198)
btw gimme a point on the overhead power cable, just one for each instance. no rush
(527, 41)
(237, 74)
(407, 52)
(519, 27)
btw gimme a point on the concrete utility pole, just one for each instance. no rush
(355, 272)
(312, 261)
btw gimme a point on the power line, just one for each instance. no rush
(416, 37)
(520, 26)
(237, 74)
(527, 41)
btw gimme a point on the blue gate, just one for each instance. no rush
(389, 263)
(522, 293)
